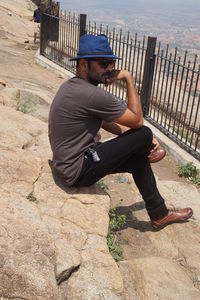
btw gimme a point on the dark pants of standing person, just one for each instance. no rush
(127, 153)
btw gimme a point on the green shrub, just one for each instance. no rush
(196, 180)
(26, 106)
(116, 222)
(31, 197)
(189, 171)
(102, 185)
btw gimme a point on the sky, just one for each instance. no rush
(152, 17)
(173, 8)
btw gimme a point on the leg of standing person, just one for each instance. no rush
(35, 32)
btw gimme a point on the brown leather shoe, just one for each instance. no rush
(157, 155)
(173, 216)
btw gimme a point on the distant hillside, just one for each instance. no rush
(175, 22)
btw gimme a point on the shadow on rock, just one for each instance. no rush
(60, 182)
(131, 220)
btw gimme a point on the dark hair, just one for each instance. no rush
(77, 63)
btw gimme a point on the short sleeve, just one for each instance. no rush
(105, 106)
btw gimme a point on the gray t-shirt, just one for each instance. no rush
(75, 117)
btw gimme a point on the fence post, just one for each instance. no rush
(147, 81)
(83, 18)
(42, 9)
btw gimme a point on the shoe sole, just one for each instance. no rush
(178, 221)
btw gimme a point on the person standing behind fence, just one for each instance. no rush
(36, 18)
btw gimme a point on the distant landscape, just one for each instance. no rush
(176, 22)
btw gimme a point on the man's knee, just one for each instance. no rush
(147, 137)
(143, 136)
(148, 134)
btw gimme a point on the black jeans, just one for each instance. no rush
(127, 153)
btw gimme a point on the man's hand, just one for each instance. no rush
(157, 153)
(155, 144)
(117, 75)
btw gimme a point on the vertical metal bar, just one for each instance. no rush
(198, 133)
(137, 62)
(101, 28)
(123, 63)
(65, 39)
(89, 27)
(141, 65)
(188, 98)
(198, 103)
(170, 86)
(197, 140)
(61, 37)
(116, 52)
(95, 28)
(148, 74)
(174, 93)
(192, 104)
(109, 39)
(83, 18)
(73, 35)
(77, 22)
(130, 52)
(162, 80)
(183, 98)
(133, 65)
(164, 110)
(70, 35)
(42, 28)
(126, 51)
(54, 43)
(119, 49)
(67, 36)
(179, 93)
(154, 83)
(77, 33)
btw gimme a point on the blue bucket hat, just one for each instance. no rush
(94, 46)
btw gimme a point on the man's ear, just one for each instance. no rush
(83, 63)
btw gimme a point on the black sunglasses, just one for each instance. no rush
(104, 63)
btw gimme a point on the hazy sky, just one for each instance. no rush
(122, 12)
(123, 7)
(176, 22)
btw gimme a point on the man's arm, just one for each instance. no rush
(132, 117)
(114, 128)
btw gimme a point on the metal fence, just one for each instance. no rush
(168, 85)
(175, 99)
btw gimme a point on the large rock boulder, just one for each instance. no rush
(52, 238)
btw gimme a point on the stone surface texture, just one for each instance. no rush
(53, 238)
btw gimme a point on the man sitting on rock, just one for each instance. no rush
(80, 108)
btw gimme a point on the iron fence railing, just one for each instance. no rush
(60, 50)
(175, 98)
(168, 85)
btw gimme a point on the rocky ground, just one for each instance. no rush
(53, 239)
